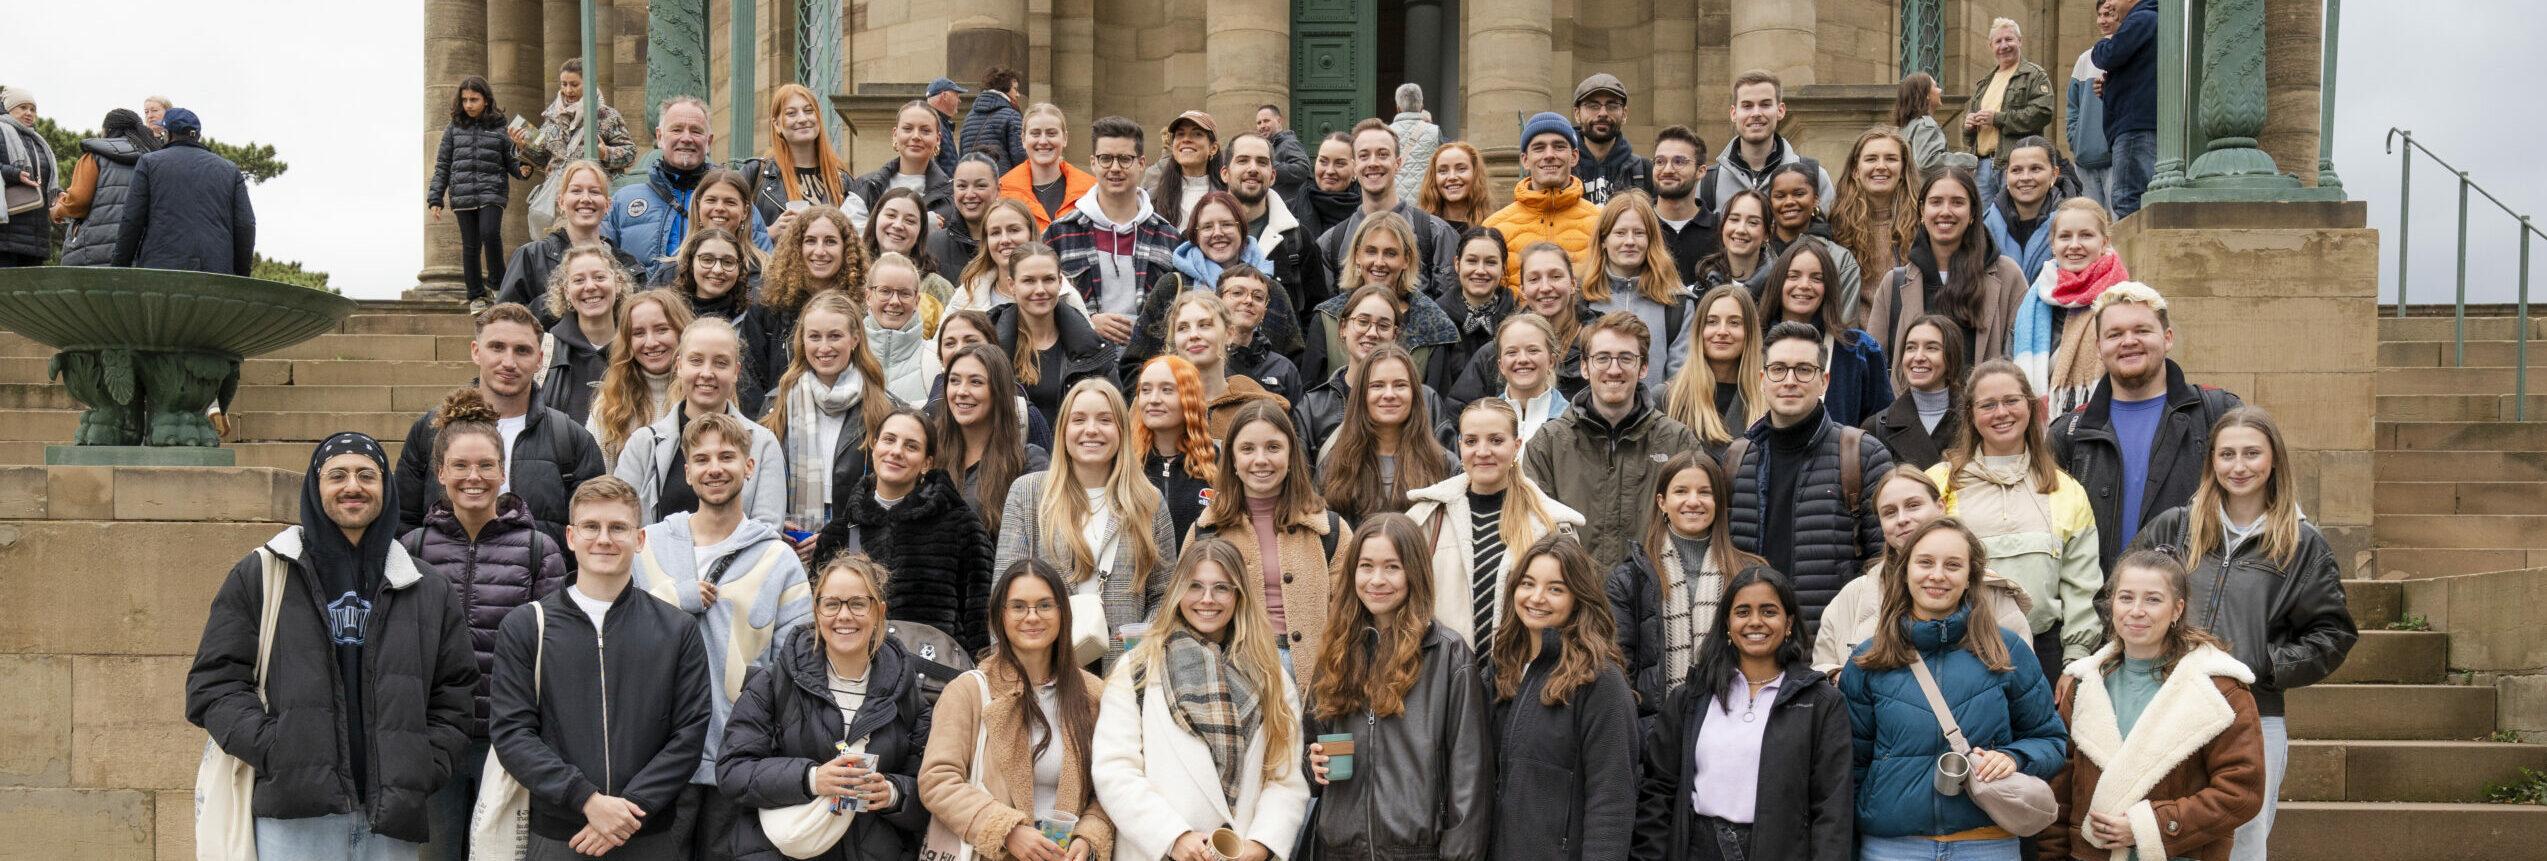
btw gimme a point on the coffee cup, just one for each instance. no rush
(1226, 845)
(1953, 769)
(1339, 750)
(1056, 826)
(1131, 633)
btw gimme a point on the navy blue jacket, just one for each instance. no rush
(1861, 384)
(188, 210)
(995, 123)
(2130, 60)
(1897, 739)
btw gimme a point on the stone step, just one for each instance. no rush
(2444, 354)
(367, 399)
(2461, 436)
(313, 427)
(2394, 657)
(2460, 530)
(2420, 563)
(2412, 771)
(2353, 831)
(293, 456)
(2401, 712)
(449, 323)
(2374, 603)
(53, 426)
(2442, 328)
(2446, 381)
(2460, 466)
(382, 347)
(283, 372)
(2459, 497)
(2459, 408)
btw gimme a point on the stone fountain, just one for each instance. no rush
(149, 351)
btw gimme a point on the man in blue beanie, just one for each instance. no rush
(1549, 205)
(188, 207)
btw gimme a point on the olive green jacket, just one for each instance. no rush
(2026, 109)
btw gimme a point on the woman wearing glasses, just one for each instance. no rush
(1372, 318)
(2000, 479)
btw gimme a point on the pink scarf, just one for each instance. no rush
(2080, 289)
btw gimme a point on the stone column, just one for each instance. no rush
(1247, 56)
(561, 39)
(455, 47)
(1511, 66)
(985, 33)
(2293, 37)
(1073, 86)
(515, 51)
(1675, 92)
(1777, 35)
(623, 29)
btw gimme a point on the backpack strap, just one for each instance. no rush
(1852, 464)
(1334, 524)
(1733, 455)
(547, 349)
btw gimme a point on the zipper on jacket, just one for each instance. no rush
(601, 660)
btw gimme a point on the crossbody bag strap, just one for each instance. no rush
(269, 610)
(539, 652)
(1937, 703)
(1852, 466)
(981, 734)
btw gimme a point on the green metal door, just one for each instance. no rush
(1332, 65)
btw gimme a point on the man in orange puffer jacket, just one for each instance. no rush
(1548, 205)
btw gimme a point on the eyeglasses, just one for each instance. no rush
(1605, 107)
(1381, 325)
(366, 476)
(1803, 373)
(2010, 402)
(860, 606)
(1039, 608)
(1614, 360)
(893, 294)
(1112, 160)
(711, 261)
(1674, 161)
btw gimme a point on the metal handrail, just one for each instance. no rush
(2405, 208)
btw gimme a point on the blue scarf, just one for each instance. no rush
(1206, 274)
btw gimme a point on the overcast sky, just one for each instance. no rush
(332, 85)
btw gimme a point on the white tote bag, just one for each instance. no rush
(225, 787)
(500, 824)
(943, 843)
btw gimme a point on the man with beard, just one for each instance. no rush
(649, 219)
(1251, 172)
(1689, 223)
(1551, 203)
(354, 712)
(2139, 442)
(740, 579)
(1291, 160)
(1611, 165)
(1600, 457)
(547, 453)
(1759, 105)
(1375, 163)
(1795, 501)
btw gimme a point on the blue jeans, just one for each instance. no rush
(448, 811)
(2254, 837)
(2094, 183)
(1988, 176)
(2135, 159)
(1924, 849)
(336, 837)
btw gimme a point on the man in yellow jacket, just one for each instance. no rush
(1548, 205)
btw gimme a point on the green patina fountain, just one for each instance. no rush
(150, 350)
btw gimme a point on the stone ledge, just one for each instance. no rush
(150, 493)
(2206, 215)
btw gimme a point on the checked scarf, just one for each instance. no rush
(1214, 703)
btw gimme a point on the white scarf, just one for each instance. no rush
(809, 476)
(18, 154)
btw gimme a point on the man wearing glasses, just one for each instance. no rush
(1600, 458)
(1610, 164)
(1689, 224)
(1799, 478)
(1114, 243)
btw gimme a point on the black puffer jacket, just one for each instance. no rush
(2287, 622)
(1423, 783)
(92, 240)
(1076, 353)
(553, 456)
(785, 723)
(1565, 775)
(509, 564)
(938, 193)
(769, 188)
(639, 738)
(2086, 447)
(995, 124)
(1832, 544)
(475, 166)
(575, 368)
(526, 272)
(1270, 369)
(936, 547)
(188, 210)
(1807, 794)
(418, 673)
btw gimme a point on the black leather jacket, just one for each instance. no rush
(1423, 781)
(1320, 411)
(2288, 623)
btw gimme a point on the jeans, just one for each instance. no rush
(2135, 159)
(1991, 180)
(1924, 849)
(335, 837)
(448, 811)
(2095, 183)
(481, 235)
(2253, 837)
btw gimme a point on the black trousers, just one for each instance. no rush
(481, 236)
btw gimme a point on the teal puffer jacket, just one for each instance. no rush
(1898, 740)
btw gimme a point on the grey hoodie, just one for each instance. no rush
(761, 595)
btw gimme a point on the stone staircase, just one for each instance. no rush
(2461, 488)
(380, 369)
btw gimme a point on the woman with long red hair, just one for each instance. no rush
(1173, 436)
(801, 165)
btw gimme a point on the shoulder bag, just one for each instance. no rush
(225, 787)
(2020, 802)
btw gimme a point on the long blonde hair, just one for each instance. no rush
(1660, 282)
(2280, 539)
(624, 401)
(873, 404)
(1249, 642)
(1853, 212)
(1523, 504)
(1691, 398)
(1064, 506)
(1405, 276)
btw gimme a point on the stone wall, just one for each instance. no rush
(109, 571)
